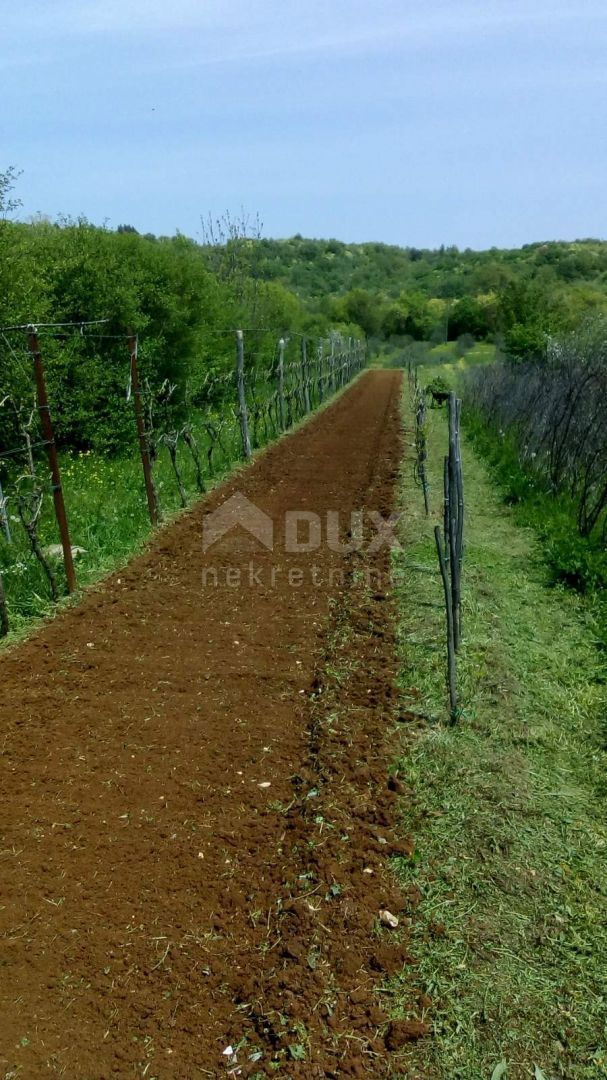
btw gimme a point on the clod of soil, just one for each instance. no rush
(401, 1032)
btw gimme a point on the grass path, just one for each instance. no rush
(508, 807)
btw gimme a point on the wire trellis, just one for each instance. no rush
(203, 424)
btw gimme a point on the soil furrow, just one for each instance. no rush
(196, 810)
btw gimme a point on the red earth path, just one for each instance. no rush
(196, 809)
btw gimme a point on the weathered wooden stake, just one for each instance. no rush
(243, 415)
(53, 460)
(460, 486)
(459, 536)
(281, 383)
(453, 518)
(420, 443)
(305, 374)
(451, 662)
(141, 434)
(446, 510)
(320, 372)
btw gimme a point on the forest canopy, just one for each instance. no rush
(185, 298)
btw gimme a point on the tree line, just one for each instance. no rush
(514, 297)
(183, 299)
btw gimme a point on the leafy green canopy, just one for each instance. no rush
(185, 300)
(391, 292)
(184, 313)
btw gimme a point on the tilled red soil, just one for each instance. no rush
(196, 810)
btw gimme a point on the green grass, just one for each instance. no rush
(108, 517)
(443, 359)
(507, 807)
(107, 512)
(450, 361)
(580, 562)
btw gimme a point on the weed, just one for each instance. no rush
(507, 806)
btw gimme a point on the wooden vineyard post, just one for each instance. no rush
(281, 383)
(420, 444)
(243, 415)
(53, 460)
(449, 546)
(141, 434)
(320, 372)
(460, 494)
(338, 366)
(453, 539)
(451, 668)
(305, 374)
(446, 510)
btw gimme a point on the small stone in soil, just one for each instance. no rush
(388, 919)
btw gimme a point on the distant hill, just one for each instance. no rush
(313, 268)
(519, 295)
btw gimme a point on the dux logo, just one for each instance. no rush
(237, 510)
(303, 529)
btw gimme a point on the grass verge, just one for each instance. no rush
(573, 560)
(107, 512)
(508, 807)
(108, 518)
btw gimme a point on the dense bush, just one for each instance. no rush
(164, 289)
(522, 295)
(544, 425)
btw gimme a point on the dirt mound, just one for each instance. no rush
(196, 810)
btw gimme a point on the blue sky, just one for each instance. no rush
(442, 121)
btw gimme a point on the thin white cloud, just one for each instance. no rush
(85, 18)
(367, 29)
(266, 27)
(177, 35)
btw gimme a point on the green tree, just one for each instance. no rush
(469, 316)
(361, 307)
